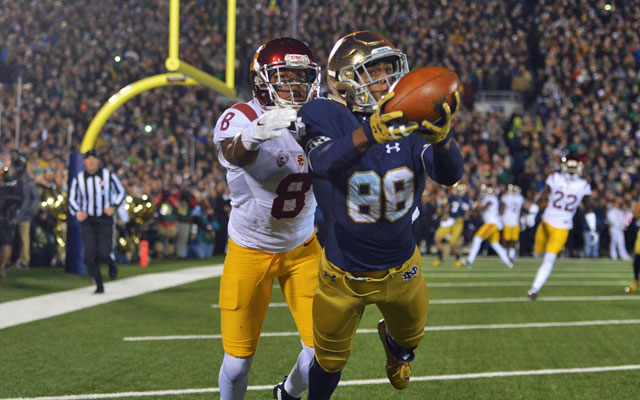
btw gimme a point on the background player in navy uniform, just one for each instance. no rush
(368, 176)
(456, 211)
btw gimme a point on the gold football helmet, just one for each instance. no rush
(459, 189)
(513, 189)
(347, 68)
(485, 190)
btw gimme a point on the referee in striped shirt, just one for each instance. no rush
(94, 196)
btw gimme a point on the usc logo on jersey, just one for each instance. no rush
(301, 160)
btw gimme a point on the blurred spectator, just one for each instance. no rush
(43, 247)
(618, 222)
(166, 204)
(28, 206)
(202, 236)
(187, 205)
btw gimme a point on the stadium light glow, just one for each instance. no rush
(607, 7)
(117, 59)
(148, 128)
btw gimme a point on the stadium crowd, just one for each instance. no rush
(576, 63)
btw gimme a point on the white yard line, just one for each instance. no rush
(357, 382)
(506, 299)
(526, 283)
(524, 274)
(426, 329)
(31, 309)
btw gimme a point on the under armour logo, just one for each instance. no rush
(396, 147)
(410, 274)
(332, 276)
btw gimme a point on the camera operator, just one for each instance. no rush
(10, 199)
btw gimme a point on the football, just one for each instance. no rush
(421, 93)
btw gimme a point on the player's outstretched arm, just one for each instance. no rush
(242, 150)
(443, 162)
(543, 196)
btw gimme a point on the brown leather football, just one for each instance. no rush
(421, 93)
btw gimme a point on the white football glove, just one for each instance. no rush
(268, 126)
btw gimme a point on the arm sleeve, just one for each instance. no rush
(333, 156)
(443, 167)
(118, 193)
(328, 141)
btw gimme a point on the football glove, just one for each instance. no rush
(433, 133)
(383, 128)
(268, 126)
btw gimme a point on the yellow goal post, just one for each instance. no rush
(181, 73)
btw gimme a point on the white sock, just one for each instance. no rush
(543, 272)
(501, 252)
(512, 253)
(475, 248)
(298, 379)
(234, 377)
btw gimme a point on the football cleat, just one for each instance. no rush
(632, 288)
(398, 372)
(280, 394)
(436, 263)
(459, 263)
(532, 295)
(510, 265)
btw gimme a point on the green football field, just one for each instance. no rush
(483, 340)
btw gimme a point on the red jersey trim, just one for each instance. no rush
(246, 110)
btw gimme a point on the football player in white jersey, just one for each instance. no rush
(271, 231)
(490, 229)
(511, 205)
(564, 191)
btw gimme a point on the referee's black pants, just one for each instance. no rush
(97, 237)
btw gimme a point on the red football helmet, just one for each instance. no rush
(572, 167)
(268, 73)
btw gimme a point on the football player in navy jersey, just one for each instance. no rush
(456, 210)
(368, 174)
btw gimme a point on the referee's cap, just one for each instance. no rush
(91, 153)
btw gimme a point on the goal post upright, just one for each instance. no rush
(181, 73)
(231, 44)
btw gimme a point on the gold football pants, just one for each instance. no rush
(245, 292)
(489, 231)
(400, 293)
(511, 233)
(454, 230)
(549, 239)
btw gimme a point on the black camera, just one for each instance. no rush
(18, 164)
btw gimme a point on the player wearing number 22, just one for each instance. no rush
(564, 191)
(271, 232)
(368, 176)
